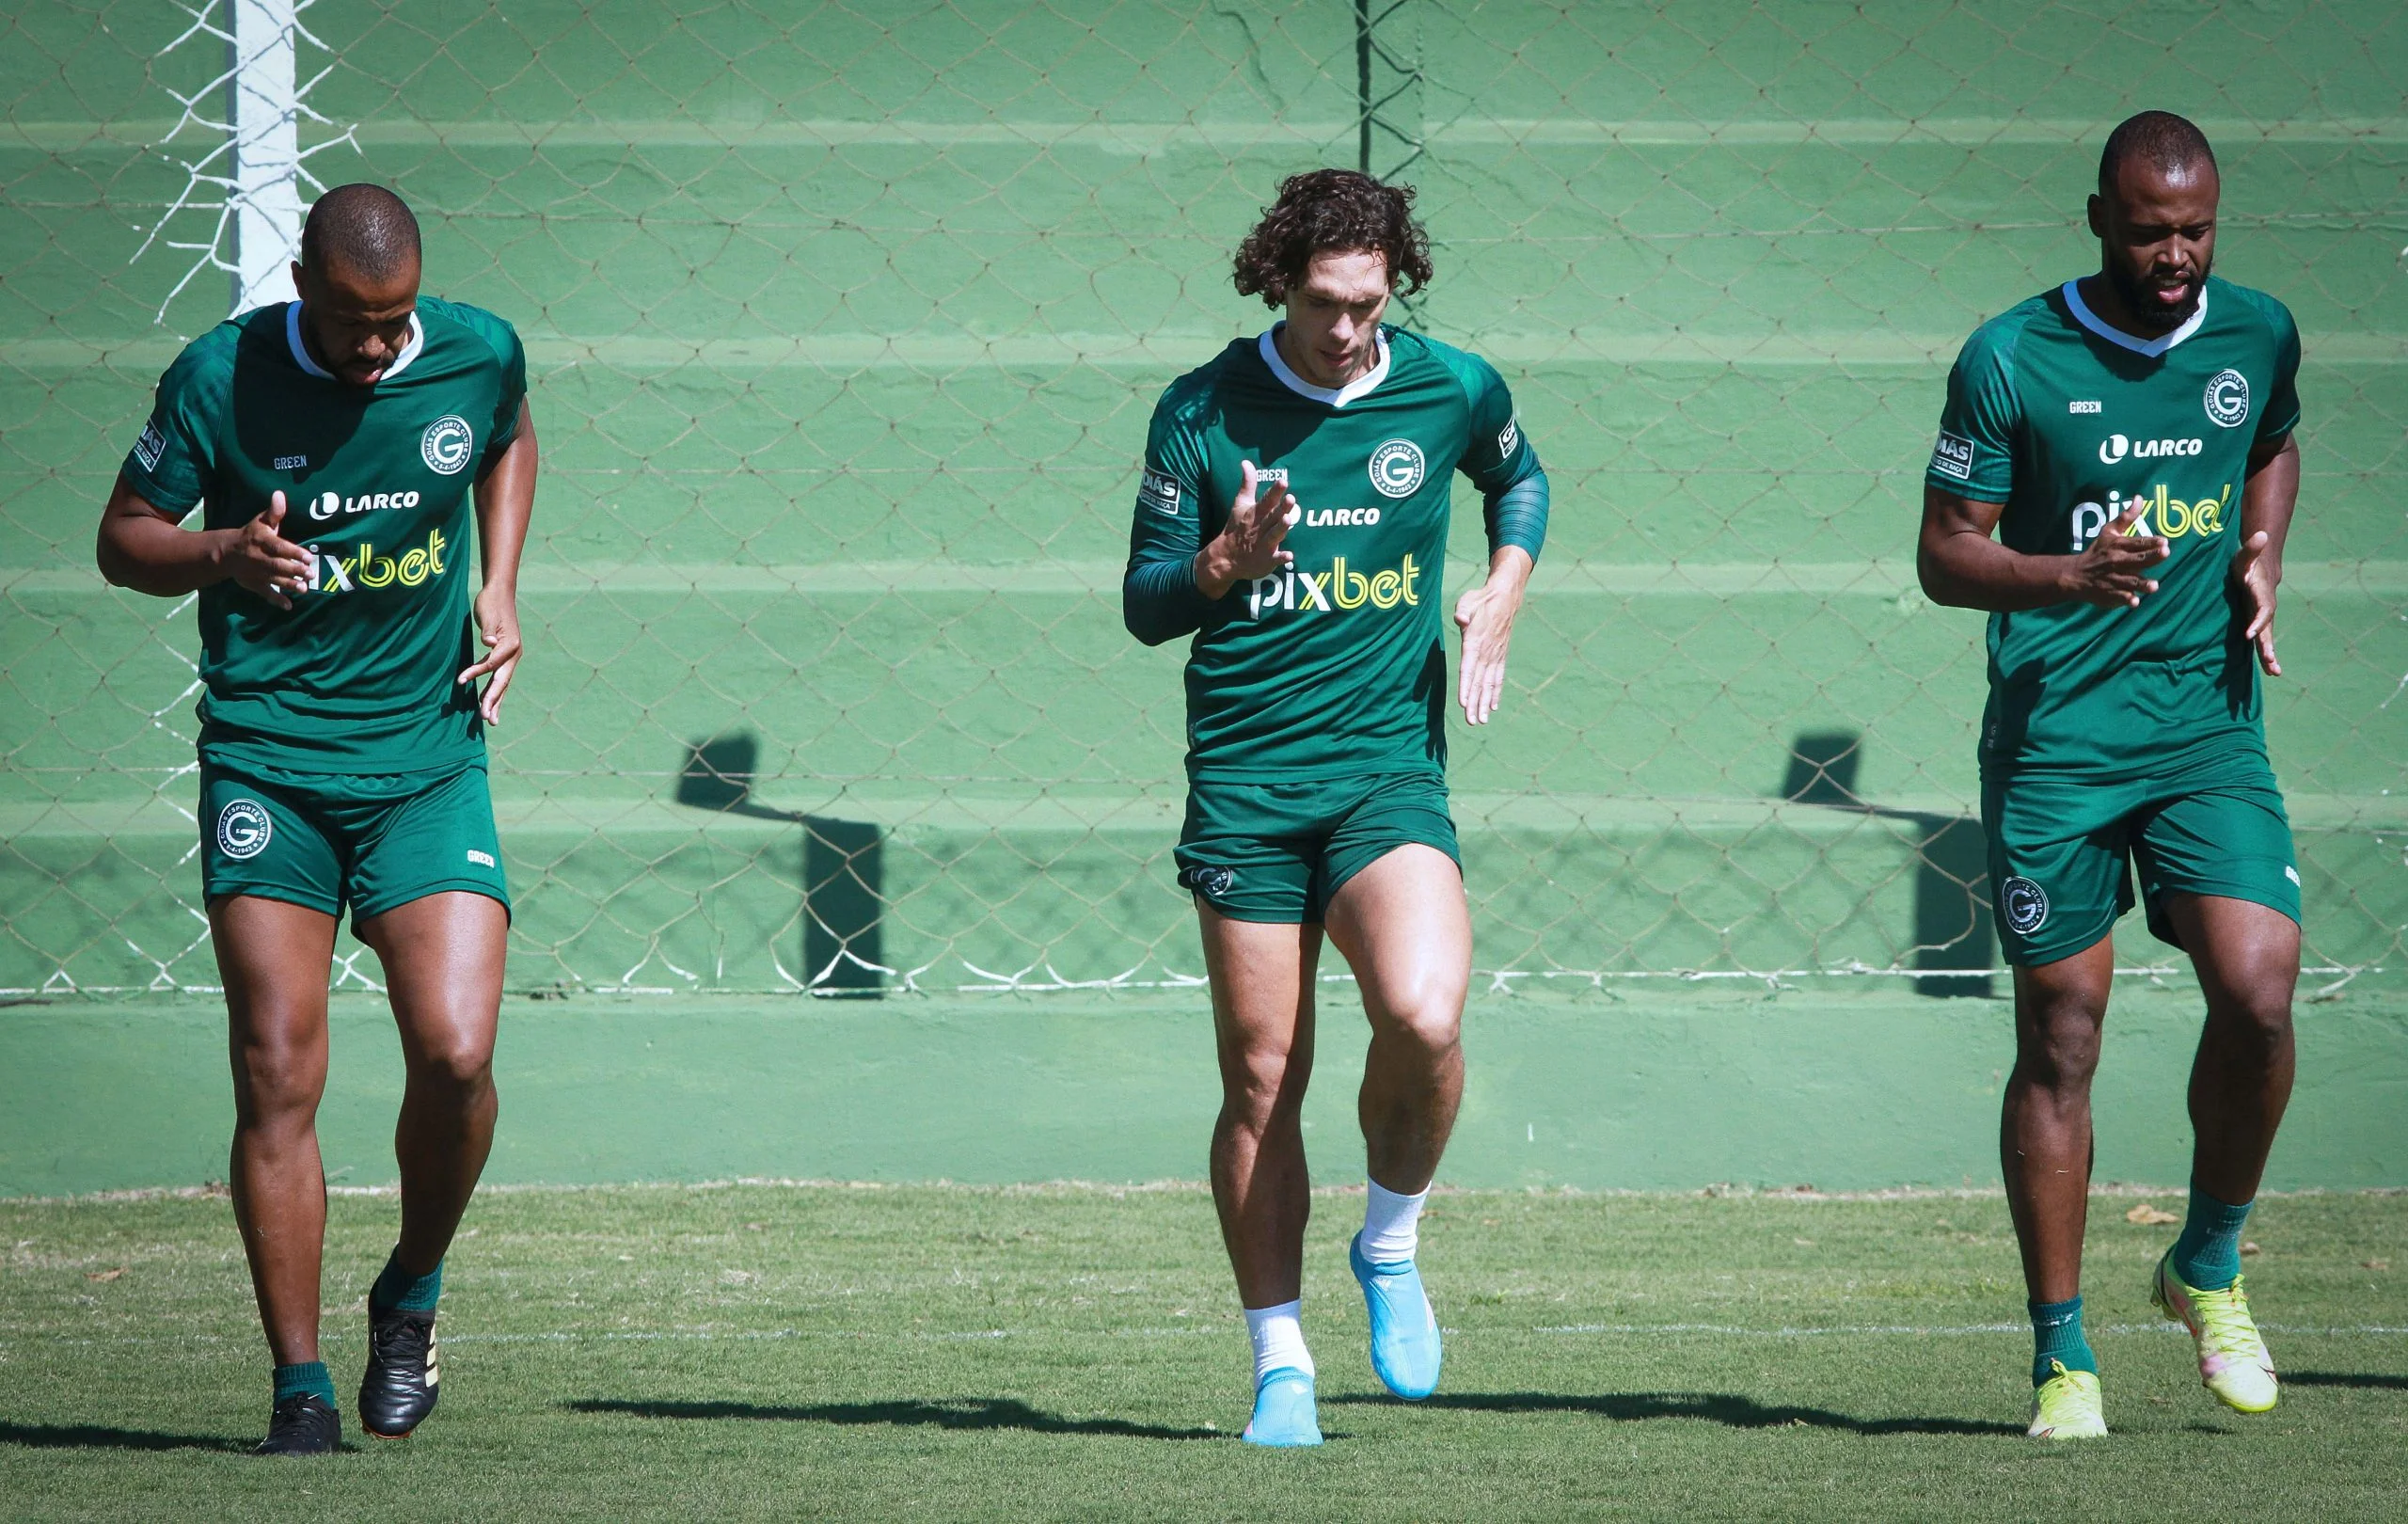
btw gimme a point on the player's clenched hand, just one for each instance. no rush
(1248, 546)
(260, 559)
(2255, 571)
(1485, 616)
(497, 616)
(2113, 572)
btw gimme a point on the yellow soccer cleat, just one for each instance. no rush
(2233, 1362)
(2067, 1406)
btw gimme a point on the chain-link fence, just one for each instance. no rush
(844, 324)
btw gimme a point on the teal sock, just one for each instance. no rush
(2056, 1336)
(396, 1289)
(2208, 1255)
(292, 1380)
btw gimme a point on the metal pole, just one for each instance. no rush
(267, 153)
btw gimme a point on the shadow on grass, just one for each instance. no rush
(2369, 1379)
(940, 1413)
(95, 1437)
(1713, 1407)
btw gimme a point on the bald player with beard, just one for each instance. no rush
(344, 449)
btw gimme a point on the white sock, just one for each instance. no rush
(1279, 1335)
(1391, 1223)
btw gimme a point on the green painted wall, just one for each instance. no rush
(1845, 1089)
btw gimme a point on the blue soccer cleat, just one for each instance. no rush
(1404, 1332)
(1283, 1410)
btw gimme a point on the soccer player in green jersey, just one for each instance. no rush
(341, 447)
(2128, 437)
(1292, 518)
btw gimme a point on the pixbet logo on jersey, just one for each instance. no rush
(365, 568)
(2160, 515)
(1342, 589)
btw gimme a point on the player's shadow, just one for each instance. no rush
(1727, 1409)
(934, 1413)
(1952, 864)
(842, 873)
(97, 1436)
(2370, 1380)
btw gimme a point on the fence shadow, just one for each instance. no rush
(2365, 1380)
(843, 870)
(99, 1436)
(937, 1413)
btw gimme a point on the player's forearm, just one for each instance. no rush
(2267, 500)
(140, 549)
(1160, 600)
(1517, 517)
(505, 505)
(1967, 570)
(1508, 572)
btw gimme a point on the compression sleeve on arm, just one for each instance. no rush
(1159, 598)
(1518, 516)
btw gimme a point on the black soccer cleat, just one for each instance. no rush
(398, 1391)
(304, 1424)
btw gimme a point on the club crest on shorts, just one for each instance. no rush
(243, 828)
(2025, 905)
(1397, 468)
(446, 444)
(2228, 399)
(1212, 882)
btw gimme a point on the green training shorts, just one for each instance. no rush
(1277, 851)
(327, 840)
(2061, 852)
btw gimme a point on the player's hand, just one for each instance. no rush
(497, 616)
(1485, 616)
(2254, 570)
(260, 559)
(1248, 546)
(2113, 572)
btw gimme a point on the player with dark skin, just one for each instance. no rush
(442, 953)
(1402, 922)
(2157, 241)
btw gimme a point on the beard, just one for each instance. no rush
(2139, 296)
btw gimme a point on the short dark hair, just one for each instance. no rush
(1332, 211)
(2170, 142)
(363, 227)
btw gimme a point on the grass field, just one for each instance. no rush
(935, 1352)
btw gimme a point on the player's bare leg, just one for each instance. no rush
(1405, 930)
(273, 958)
(2045, 1144)
(1262, 1023)
(442, 955)
(443, 967)
(2247, 959)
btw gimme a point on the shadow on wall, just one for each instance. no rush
(1952, 864)
(843, 879)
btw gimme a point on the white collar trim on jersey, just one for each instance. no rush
(1362, 386)
(311, 367)
(2152, 347)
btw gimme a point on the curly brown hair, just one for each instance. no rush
(1332, 211)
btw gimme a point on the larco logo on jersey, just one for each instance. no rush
(328, 504)
(2228, 399)
(2115, 447)
(447, 444)
(243, 829)
(1397, 469)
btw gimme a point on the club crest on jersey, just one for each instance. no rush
(1508, 436)
(1397, 469)
(2026, 904)
(243, 829)
(447, 444)
(2228, 399)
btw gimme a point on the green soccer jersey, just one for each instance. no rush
(2069, 423)
(1334, 668)
(361, 674)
